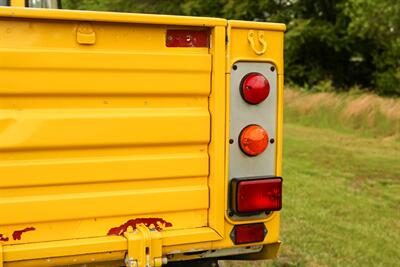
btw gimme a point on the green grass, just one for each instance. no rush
(341, 200)
(367, 115)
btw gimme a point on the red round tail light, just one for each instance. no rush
(253, 140)
(254, 88)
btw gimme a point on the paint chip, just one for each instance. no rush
(18, 233)
(155, 223)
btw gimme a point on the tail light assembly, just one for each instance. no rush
(253, 140)
(254, 88)
(255, 191)
(252, 196)
(248, 233)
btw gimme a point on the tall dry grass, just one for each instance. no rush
(366, 113)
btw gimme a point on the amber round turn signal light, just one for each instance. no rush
(254, 88)
(253, 140)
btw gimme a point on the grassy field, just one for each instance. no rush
(341, 193)
(367, 115)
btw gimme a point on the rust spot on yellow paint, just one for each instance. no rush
(18, 233)
(155, 223)
(3, 238)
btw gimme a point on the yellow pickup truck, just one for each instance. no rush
(138, 140)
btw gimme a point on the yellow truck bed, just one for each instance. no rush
(104, 128)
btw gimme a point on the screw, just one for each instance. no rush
(234, 67)
(231, 141)
(230, 214)
(272, 68)
(272, 140)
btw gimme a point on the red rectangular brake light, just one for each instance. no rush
(259, 195)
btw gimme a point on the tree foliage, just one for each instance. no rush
(342, 43)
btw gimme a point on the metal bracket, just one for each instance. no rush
(1, 255)
(85, 34)
(260, 36)
(144, 247)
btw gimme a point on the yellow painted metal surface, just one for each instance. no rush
(217, 103)
(17, 3)
(144, 247)
(239, 49)
(110, 17)
(96, 135)
(102, 126)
